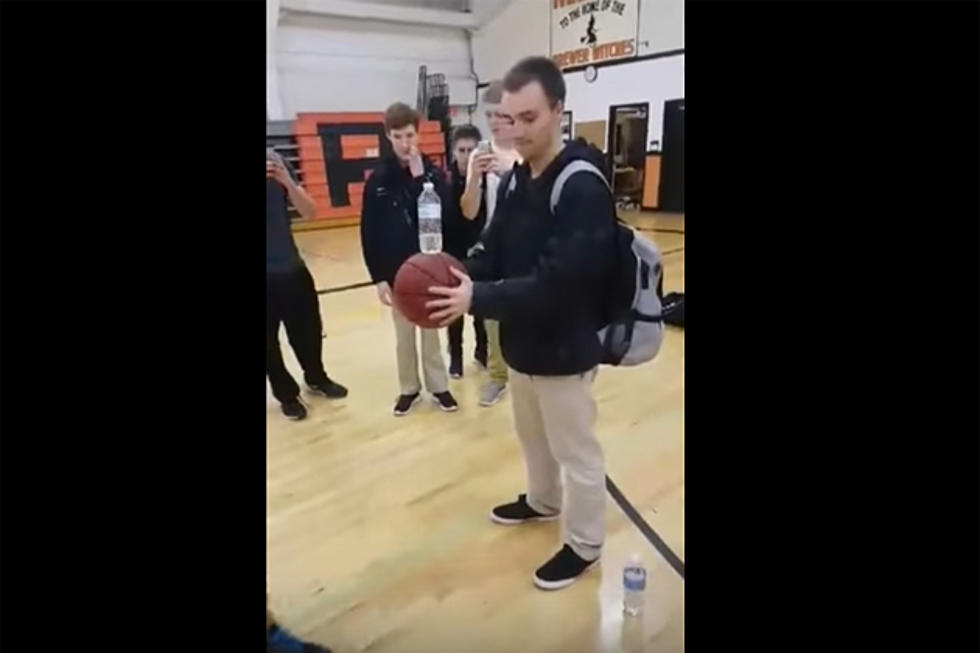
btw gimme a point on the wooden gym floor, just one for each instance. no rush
(377, 527)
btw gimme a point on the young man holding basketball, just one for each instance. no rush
(480, 199)
(389, 236)
(462, 233)
(542, 275)
(290, 297)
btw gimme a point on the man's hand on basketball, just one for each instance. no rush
(384, 293)
(455, 303)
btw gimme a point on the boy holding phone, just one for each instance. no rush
(460, 235)
(290, 297)
(486, 166)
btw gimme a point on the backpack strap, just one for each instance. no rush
(578, 165)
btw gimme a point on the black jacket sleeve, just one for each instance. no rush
(575, 258)
(369, 235)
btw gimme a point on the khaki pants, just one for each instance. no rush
(433, 367)
(495, 358)
(555, 421)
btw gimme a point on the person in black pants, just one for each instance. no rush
(290, 296)
(462, 234)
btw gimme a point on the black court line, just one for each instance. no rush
(662, 231)
(645, 528)
(365, 284)
(353, 286)
(614, 491)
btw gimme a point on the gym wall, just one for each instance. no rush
(339, 64)
(653, 81)
(523, 29)
(335, 153)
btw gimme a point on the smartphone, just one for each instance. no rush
(272, 155)
(484, 147)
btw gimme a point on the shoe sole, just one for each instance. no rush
(455, 376)
(495, 400)
(445, 409)
(514, 522)
(551, 585)
(406, 412)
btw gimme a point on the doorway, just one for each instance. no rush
(672, 177)
(627, 138)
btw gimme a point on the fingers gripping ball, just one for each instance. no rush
(412, 283)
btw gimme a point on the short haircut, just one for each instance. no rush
(466, 131)
(400, 115)
(494, 93)
(537, 69)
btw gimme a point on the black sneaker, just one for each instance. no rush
(445, 401)
(562, 570)
(518, 512)
(329, 389)
(456, 369)
(294, 410)
(405, 404)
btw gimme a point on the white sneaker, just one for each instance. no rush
(491, 393)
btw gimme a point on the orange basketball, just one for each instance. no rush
(412, 283)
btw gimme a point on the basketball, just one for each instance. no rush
(412, 283)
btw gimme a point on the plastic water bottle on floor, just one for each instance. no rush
(430, 220)
(634, 585)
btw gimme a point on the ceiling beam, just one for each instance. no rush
(387, 13)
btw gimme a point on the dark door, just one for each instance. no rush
(626, 149)
(672, 174)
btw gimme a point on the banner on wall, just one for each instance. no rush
(591, 31)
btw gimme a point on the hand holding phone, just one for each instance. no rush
(482, 159)
(275, 168)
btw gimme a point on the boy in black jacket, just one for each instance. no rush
(542, 276)
(390, 235)
(462, 234)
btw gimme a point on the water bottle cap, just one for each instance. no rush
(635, 560)
(427, 185)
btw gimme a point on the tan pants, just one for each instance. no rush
(555, 421)
(433, 367)
(495, 358)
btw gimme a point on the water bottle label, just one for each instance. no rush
(635, 579)
(431, 211)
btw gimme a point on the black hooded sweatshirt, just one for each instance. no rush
(542, 275)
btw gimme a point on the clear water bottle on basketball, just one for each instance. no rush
(634, 585)
(430, 220)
